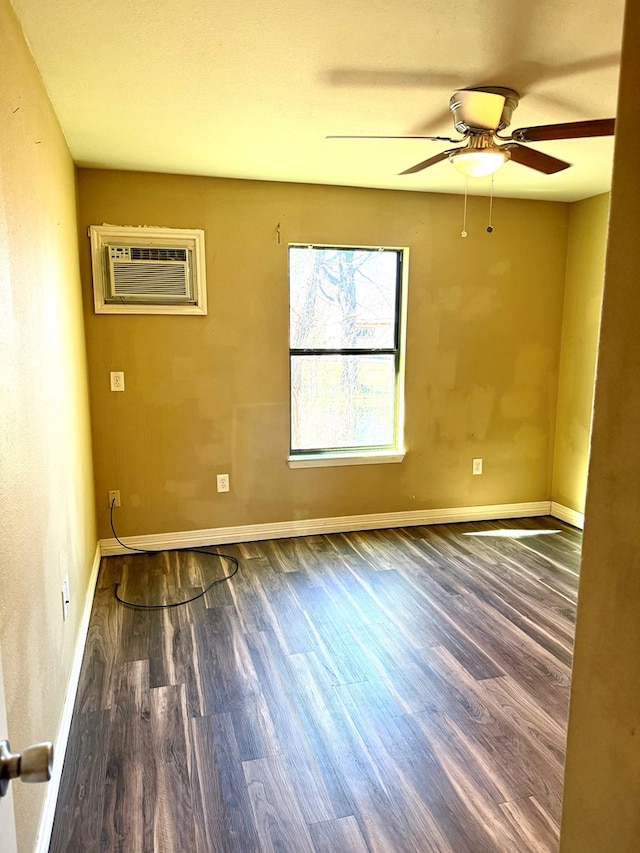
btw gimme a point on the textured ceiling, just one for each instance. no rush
(250, 89)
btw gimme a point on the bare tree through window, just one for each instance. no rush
(344, 344)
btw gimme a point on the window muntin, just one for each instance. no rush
(345, 330)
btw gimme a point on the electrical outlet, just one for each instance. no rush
(114, 498)
(476, 467)
(223, 482)
(66, 596)
(117, 380)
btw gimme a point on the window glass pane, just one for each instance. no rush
(342, 401)
(342, 298)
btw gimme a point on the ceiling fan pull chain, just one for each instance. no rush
(463, 233)
(490, 226)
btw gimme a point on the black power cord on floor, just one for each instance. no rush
(233, 560)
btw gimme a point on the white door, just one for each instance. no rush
(7, 821)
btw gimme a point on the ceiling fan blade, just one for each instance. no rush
(568, 130)
(432, 138)
(443, 155)
(535, 159)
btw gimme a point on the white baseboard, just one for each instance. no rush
(62, 737)
(571, 516)
(309, 527)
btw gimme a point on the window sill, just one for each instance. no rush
(326, 460)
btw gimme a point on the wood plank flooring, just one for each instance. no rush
(395, 691)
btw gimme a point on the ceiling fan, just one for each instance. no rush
(479, 114)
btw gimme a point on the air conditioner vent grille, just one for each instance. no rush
(164, 279)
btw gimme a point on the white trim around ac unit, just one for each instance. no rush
(191, 239)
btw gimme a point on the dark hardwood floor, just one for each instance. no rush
(396, 690)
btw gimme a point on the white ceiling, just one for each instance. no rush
(250, 89)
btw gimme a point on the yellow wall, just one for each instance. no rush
(581, 321)
(207, 395)
(602, 780)
(47, 525)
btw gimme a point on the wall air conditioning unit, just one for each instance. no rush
(141, 274)
(148, 270)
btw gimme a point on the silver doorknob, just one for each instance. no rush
(33, 765)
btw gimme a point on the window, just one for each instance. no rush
(346, 352)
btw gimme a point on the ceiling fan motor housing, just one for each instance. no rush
(469, 112)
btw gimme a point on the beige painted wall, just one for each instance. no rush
(602, 780)
(209, 394)
(47, 522)
(586, 247)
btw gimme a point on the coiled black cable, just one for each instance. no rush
(233, 560)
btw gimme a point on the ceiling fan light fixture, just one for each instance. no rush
(479, 162)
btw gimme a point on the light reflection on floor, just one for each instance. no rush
(507, 533)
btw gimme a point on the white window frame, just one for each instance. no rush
(365, 456)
